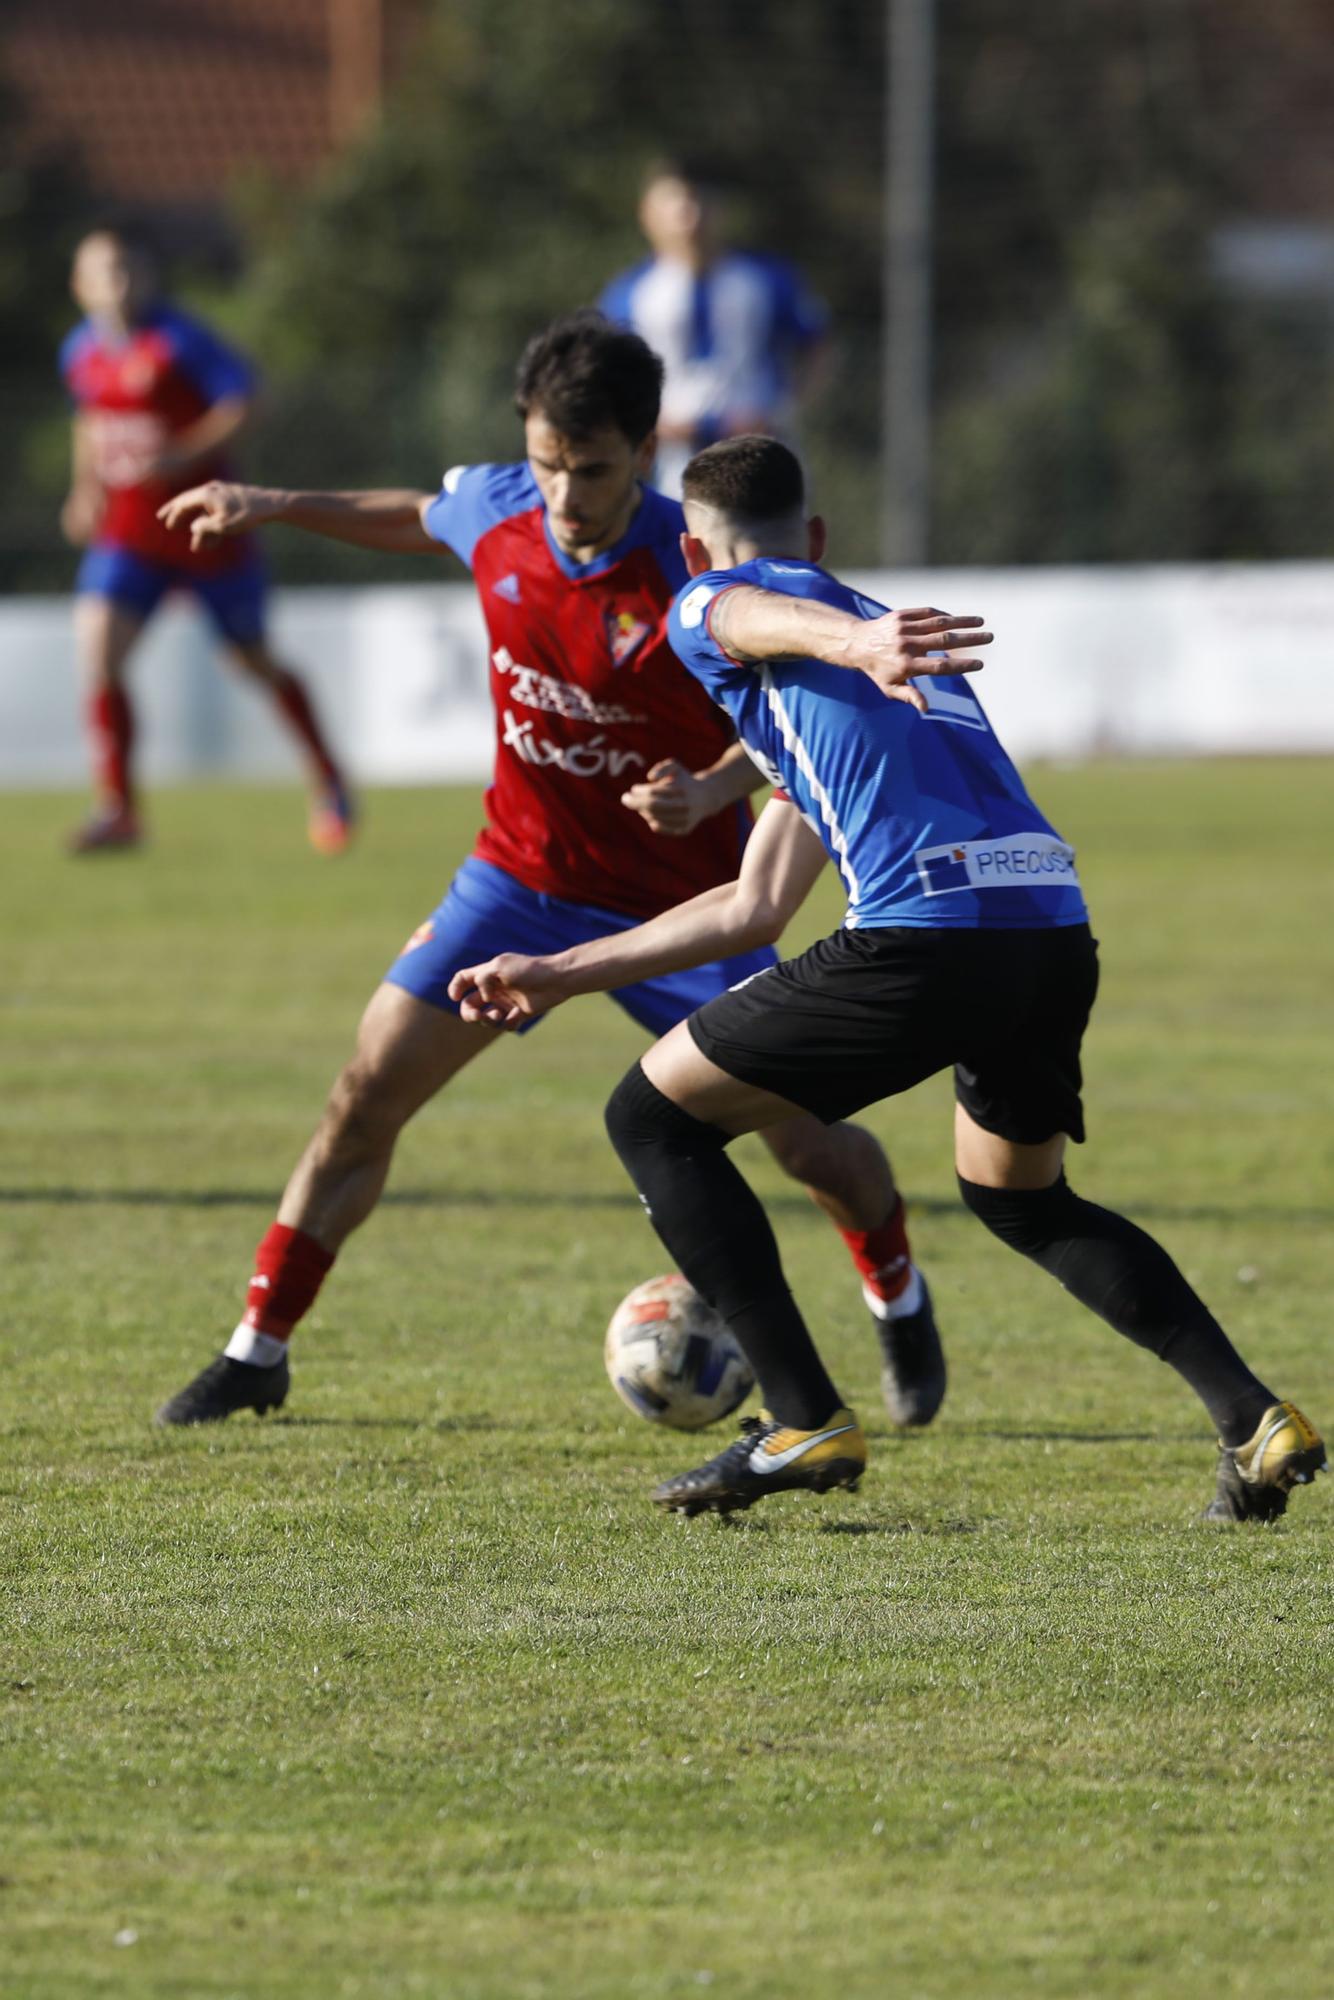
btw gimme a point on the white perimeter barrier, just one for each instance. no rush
(1168, 660)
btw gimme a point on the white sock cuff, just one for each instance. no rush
(261, 1350)
(908, 1301)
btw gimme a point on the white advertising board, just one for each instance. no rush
(1233, 659)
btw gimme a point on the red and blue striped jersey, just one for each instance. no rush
(588, 697)
(136, 395)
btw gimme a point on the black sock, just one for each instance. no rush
(714, 1227)
(1112, 1266)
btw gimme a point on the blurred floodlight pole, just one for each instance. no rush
(909, 101)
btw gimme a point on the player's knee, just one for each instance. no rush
(1030, 1220)
(641, 1119)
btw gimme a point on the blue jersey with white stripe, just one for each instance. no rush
(924, 816)
(729, 336)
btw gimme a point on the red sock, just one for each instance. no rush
(111, 727)
(295, 703)
(882, 1255)
(290, 1267)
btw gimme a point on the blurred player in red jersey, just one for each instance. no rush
(158, 398)
(603, 745)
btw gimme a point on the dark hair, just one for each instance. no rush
(130, 234)
(695, 169)
(747, 478)
(582, 373)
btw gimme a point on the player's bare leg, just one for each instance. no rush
(331, 810)
(1266, 1446)
(670, 1120)
(843, 1168)
(406, 1052)
(846, 1173)
(105, 633)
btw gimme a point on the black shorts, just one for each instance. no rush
(865, 1014)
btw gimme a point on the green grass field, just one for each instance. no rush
(412, 1693)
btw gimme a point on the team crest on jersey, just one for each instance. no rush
(422, 935)
(625, 634)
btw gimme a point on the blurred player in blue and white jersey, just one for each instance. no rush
(738, 332)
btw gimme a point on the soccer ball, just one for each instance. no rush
(672, 1359)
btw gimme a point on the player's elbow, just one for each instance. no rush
(759, 922)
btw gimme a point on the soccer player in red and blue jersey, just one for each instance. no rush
(158, 398)
(619, 790)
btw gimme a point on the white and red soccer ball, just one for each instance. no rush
(671, 1359)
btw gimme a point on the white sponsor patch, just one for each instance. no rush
(1018, 861)
(696, 604)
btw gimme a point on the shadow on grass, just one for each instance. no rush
(526, 1199)
(899, 1439)
(1084, 1437)
(590, 1198)
(437, 1426)
(902, 1527)
(441, 1425)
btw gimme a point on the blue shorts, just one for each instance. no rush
(486, 911)
(234, 600)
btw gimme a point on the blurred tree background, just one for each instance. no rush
(1133, 265)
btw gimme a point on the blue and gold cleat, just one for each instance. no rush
(770, 1457)
(1255, 1479)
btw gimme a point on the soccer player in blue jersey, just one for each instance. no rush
(966, 944)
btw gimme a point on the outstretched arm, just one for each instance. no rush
(754, 624)
(781, 862)
(378, 520)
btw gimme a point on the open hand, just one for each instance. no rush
(218, 509)
(904, 645)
